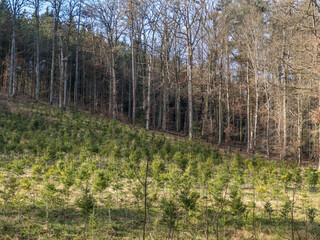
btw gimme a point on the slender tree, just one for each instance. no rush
(56, 7)
(15, 7)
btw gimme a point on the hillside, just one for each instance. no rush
(70, 175)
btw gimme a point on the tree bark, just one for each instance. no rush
(248, 111)
(56, 22)
(133, 70)
(299, 123)
(164, 96)
(61, 70)
(77, 59)
(220, 102)
(189, 74)
(13, 60)
(37, 6)
(228, 89)
(114, 86)
(149, 93)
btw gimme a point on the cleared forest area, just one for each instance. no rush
(76, 176)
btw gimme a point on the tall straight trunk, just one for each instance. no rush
(38, 52)
(285, 112)
(299, 123)
(13, 60)
(268, 125)
(77, 60)
(94, 90)
(206, 103)
(150, 65)
(248, 111)
(133, 70)
(178, 108)
(220, 102)
(70, 95)
(56, 22)
(84, 85)
(188, 39)
(160, 112)
(178, 89)
(122, 97)
(149, 93)
(65, 84)
(256, 109)
(154, 108)
(164, 98)
(114, 86)
(61, 70)
(144, 63)
(228, 89)
(268, 105)
(189, 74)
(110, 98)
(220, 112)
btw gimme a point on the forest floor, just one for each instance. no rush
(232, 148)
(77, 175)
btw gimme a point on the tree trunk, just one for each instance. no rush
(268, 124)
(133, 70)
(285, 112)
(149, 92)
(65, 77)
(84, 85)
(228, 90)
(299, 123)
(248, 110)
(164, 98)
(61, 70)
(56, 22)
(256, 108)
(189, 74)
(13, 60)
(220, 102)
(114, 86)
(38, 52)
(77, 60)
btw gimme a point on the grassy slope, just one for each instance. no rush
(35, 137)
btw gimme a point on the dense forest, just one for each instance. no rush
(240, 72)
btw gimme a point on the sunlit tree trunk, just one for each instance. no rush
(248, 110)
(56, 9)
